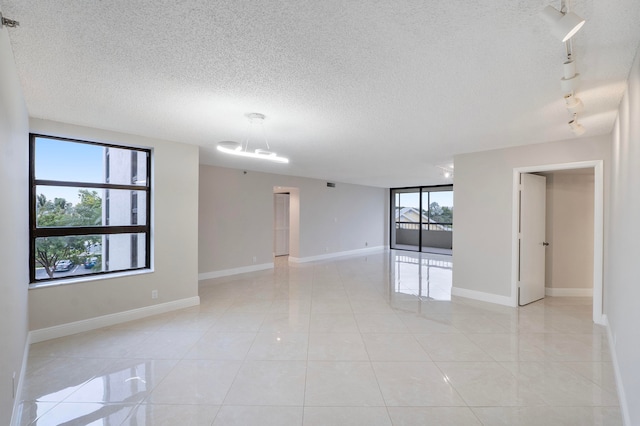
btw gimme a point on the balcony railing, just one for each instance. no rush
(414, 226)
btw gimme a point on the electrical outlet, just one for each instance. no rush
(154, 294)
(255, 259)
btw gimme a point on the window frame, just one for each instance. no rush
(61, 231)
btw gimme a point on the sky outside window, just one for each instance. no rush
(67, 161)
(412, 199)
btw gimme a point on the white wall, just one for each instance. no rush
(14, 227)
(569, 223)
(622, 248)
(236, 218)
(483, 193)
(175, 238)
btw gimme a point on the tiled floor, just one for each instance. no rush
(373, 340)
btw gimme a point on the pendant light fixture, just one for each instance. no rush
(256, 125)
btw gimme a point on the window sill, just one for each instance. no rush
(88, 278)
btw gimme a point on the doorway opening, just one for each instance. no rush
(597, 225)
(281, 224)
(286, 222)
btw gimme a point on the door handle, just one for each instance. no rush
(544, 243)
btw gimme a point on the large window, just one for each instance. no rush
(422, 218)
(90, 208)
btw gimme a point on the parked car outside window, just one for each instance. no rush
(63, 265)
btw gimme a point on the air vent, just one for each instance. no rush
(331, 185)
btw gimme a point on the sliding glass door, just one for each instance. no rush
(422, 218)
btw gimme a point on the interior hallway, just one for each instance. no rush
(371, 340)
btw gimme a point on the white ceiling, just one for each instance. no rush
(374, 92)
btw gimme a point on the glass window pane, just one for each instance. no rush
(125, 251)
(72, 206)
(65, 256)
(408, 210)
(71, 256)
(82, 162)
(441, 210)
(68, 161)
(125, 167)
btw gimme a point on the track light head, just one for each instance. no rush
(569, 85)
(574, 105)
(563, 25)
(576, 127)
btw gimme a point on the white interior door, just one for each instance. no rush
(281, 225)
(532, 238)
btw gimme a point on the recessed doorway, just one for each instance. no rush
(593, 170)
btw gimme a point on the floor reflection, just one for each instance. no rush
(426, 276)
(106, 398)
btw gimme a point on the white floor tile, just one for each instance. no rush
(415, 384)
(337, 347)
(356, 416)
(258, 416)
(342, 383)
(280, 347)
(433, 416)
(488, 384)
(268, 383)
(172, 414)
(196, 382)
(452, 347)
(394, 347)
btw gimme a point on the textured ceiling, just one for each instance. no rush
(373, 92)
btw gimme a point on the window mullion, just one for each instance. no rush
(44, 182)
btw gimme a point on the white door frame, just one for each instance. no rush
(598, 227)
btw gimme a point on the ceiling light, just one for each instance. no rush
(242, 150)
(447, 171)
(576, 127)
(563, 25)
(574, 104)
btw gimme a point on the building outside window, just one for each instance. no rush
(89, 208)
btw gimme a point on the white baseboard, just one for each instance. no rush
(357, 252)
(622, 398)
(235, 271)
(568, 292)
(16, 415)
(482, 296)
(107, 320)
